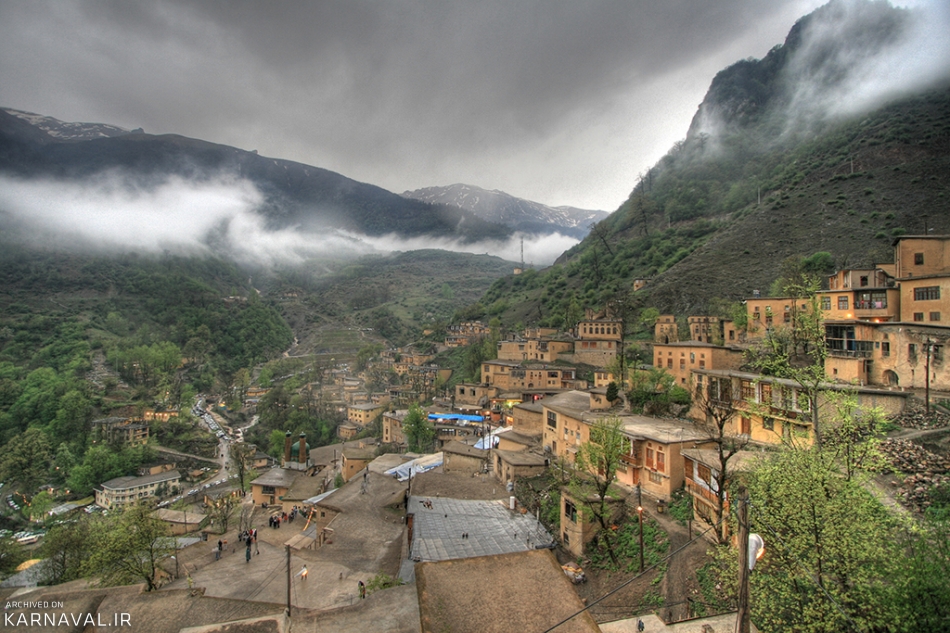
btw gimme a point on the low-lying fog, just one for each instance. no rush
(111, 213)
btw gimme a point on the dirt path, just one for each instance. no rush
(679, 583)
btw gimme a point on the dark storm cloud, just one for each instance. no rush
(559, 101)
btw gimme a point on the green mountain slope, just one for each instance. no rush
(762, 177)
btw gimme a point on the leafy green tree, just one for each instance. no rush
(73, 419)
(597, 462)
(798, 352)
(40, 504)
(242, 460)
(11, 554)
(63, 463)
(276, 444)
(613, 392)
(419, 432)
(128, 547)
(26, 458)
(64, 548)
(831, 549)
(574, 313)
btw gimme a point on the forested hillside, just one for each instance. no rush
(84, 336)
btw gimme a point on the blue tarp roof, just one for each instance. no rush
(456, 416)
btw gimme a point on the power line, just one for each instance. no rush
(627, 582)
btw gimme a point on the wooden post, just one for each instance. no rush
(289, 606)
(742, 507)
(640, 513)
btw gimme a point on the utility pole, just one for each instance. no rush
(742, 616)
(640, 514)
(289, 606)
(930, 346)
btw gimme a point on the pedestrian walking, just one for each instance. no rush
(362, 588)
(247, 553)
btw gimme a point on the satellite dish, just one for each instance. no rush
(756, 549)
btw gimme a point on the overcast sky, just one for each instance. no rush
(559, 101)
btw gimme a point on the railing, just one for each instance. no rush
(633, 460)
(849, 353)
(699, 491)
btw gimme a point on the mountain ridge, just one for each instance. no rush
(501, 207)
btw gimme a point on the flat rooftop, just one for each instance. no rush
(491, 527)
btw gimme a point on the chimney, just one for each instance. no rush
(303, 449)
(287, 447)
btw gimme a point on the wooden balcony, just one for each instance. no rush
(699, 491)
(632, 460)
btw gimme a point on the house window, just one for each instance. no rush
(826, 303)
(766, 391)
(552, 419)
(927, 293)
(842, 303)
(745, 426)
(732, 335)
(570, 511)
(748, 390)
(918, 316)
(661, 461)
(669, 363)
(267, 490)
(885, 349)
(912, 350)
(682, 363)
(864, 280)
(650, 458)
(655, 478)
(768, 424)
(918, 259)
(934, 316)
(704, 474)
(788, 317)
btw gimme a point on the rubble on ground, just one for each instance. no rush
(915, 416)
(925, 471)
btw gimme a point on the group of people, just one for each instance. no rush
(277, 519)
(250, 539)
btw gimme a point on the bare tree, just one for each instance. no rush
(717, 402)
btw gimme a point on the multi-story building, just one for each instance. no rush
(510, 376)
(679, 359)
(652, 458)
(363, 414)
(465, 333)
(542, 350)
(599, 337)
(773, 410)
(392, 427)
(860, 294)
(124, 431)
(126, 490)
(765, 313)
(665, 330)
